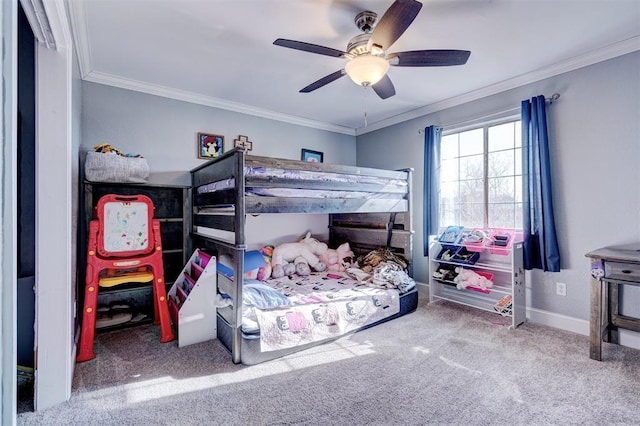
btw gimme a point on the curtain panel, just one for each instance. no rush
(540, 245)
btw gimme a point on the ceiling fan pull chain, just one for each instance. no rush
(365, 105)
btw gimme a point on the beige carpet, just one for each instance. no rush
(443, 364)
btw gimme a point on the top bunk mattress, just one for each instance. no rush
(296, 184)
(257, 174)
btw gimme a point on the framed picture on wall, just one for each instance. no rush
(312, 156)
(210, 146)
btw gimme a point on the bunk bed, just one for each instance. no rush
(368, 208)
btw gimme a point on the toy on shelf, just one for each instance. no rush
(476, 239)
(472, 280)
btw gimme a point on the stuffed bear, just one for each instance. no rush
(468, 278)
(338, 260)
(296, 258)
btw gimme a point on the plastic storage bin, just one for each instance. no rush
(487, 275)
(476, 239)
(451, 235)
(465, 257)
(447, 252)
(501, 240)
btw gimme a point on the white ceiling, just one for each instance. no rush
(220, 52)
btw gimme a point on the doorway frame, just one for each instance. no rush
(56, 212)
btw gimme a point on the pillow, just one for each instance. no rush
(262, 296)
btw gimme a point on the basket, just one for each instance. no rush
(476, 240)
(447, 252)
(465, 257)
(445, 274)
(451, 234)
(487, 275)
(111, 167)
(506, 237)
(457, 254)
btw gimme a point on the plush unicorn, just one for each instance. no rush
(297, 258)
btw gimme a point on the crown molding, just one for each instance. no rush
(81, 38)
(195, 98)
(600, 55)
(83, 48)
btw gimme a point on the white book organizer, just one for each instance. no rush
(192, 300)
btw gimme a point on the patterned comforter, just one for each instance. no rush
(320, 306)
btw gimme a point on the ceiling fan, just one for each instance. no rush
(368, 60)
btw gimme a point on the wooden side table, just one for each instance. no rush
(611, 267)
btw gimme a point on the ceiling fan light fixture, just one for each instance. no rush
(366, 70)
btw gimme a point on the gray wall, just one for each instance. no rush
(595, 145)
(165, 132)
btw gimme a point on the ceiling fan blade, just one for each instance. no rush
(429, 58)
(323, 81)
(394, 23)
(384, 88)
(308, 47)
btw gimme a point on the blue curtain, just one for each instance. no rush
(540, 241)
(431, 203)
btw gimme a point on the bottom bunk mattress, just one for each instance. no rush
(286, 315)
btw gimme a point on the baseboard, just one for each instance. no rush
(560, 321)
(563, 322)
(629, 338)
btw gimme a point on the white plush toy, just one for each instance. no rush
(290, 258)
(467, 277)
(338, 260)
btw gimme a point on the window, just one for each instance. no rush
(481, 177)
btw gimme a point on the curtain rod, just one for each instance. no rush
(551, 99)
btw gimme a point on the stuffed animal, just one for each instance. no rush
(375, 257)
(264, 273)
(297, 258)
(338, 260)
(468, 278)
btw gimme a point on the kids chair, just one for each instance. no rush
(124, 246)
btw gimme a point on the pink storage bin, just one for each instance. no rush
(477, 246)
(487, 275)
(501, 250)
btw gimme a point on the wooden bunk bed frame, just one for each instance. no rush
(366, 223)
